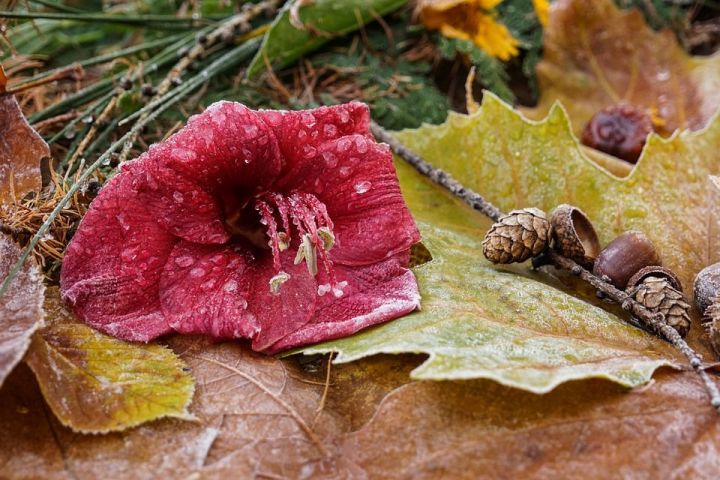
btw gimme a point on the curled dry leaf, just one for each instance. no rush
(95, 383)
(21, 311)
(480, 321)
(21, 149)
(596, 55)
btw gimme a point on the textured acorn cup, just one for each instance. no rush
(624, 257)
(655, 271)
(659, 290)
(517, 236)
(707, 286)
(574, 235)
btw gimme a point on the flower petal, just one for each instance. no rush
(205, 289)
(301, 132)
(228, 146)
(180, 205)
(355, 178)
(373, 294)
(279, 314)
(111, 270)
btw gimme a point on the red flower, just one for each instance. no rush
(286, 228)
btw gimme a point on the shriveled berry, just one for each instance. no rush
(619, 130)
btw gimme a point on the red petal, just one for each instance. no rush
(205, 289)
(292, 307)
(228, 146)
(180, 205)
(374, 294)
(111, 270)
(301, 132)
(355, 178)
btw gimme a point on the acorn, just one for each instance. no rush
(517, 236)
(619, 130)
(574, 235)
(707, 299)
(659, 290)
(707, 286)
(625, 256)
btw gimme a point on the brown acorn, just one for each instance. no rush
(707, 298)
(574, 235)
(711, 324)
(619, 130)
(707, 286)
(659, 290)
(517, 236)
(625, 256)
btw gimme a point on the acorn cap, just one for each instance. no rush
(707, 286)
(574, 234)
(624, 257)
(655, 271)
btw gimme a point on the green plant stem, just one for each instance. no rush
(653, 320)
(152, 21)
(57, 6)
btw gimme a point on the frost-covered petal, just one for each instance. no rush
(301, 132)
(356, 179)
(279, 314)
(366, 296)
(111, 270)
(228, 146)
(182, 206)
(205, 289)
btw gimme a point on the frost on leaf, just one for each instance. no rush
(503, 323)
(21, 149)
(21, 311)
(596, 55)
(95, 383)
(285, 228)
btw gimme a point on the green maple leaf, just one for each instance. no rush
(508, 324)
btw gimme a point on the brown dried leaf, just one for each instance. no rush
(590, 429)
(21, 311)
(21, 149)
(257, 416)
(596, 55)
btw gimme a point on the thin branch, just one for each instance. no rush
(652, 320)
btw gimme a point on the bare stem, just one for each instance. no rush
(653, 321)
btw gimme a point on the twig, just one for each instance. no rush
(224, 32)
(654, 321)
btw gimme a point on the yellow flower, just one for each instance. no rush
(542, 9)
(470, 20)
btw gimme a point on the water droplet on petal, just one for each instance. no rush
(323, 289)
(344, 172)
(344, 144)
(362, 187)
(308, 119)
(309, 151)
(197, 272)
(330, 130)
(178, 197)
(330, 159)
(361, 144)
(184, 261)
(251, 131)
(231, 286)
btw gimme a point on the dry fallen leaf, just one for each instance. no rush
(21, 311)
(95, 383)
(596, 55)
(590, 429)
(21, 149)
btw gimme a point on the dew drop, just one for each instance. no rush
(128, 254)
(323, 289)
(330, 159)
(362, 187)
(250, 130)
(208, 284)
(272, 117)
(344, 116)
(309, 151)
(330, 130)
(197, 272)
(361, 144)
(344, 144)
(338, 289)
(178, 197)
(121, 219)
(344, 172)
(231, 286)
(184, 261)
(308, 119)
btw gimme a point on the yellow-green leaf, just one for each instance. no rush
(480, 320)
(95, 383)
(596, 55)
